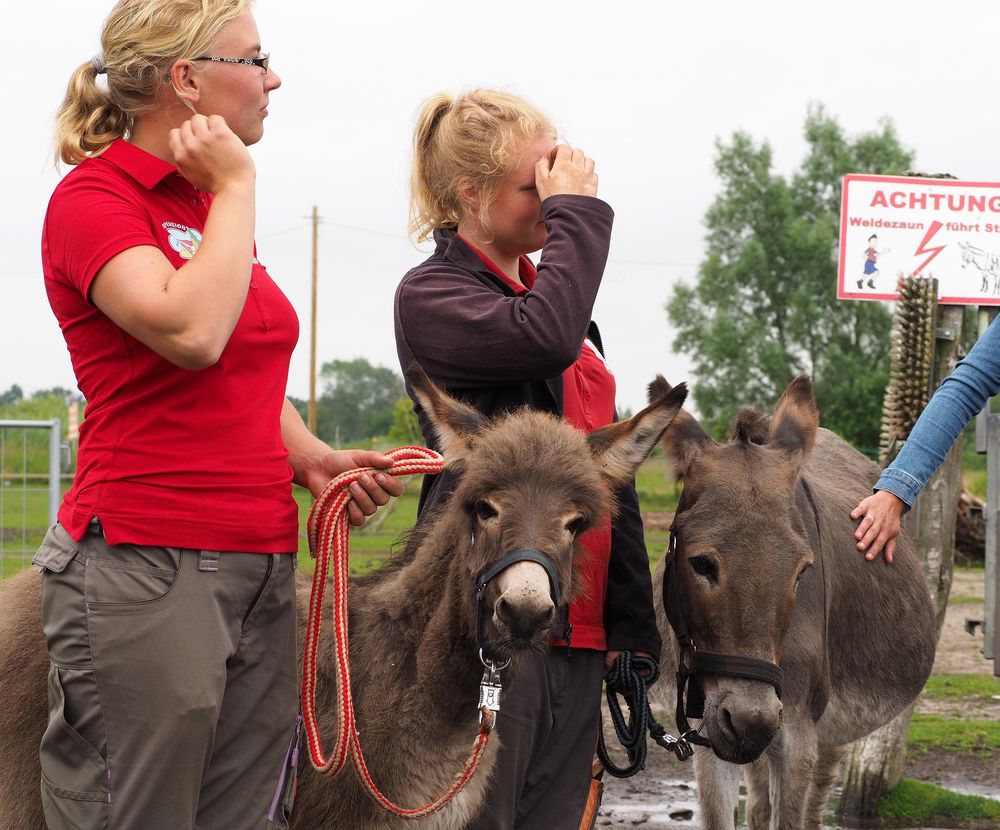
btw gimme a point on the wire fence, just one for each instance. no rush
(30, 488)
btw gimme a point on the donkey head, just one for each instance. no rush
(739, 550)
(530, 482)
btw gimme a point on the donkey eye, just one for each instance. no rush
(485, 510)
(703, 566)
(575, 525)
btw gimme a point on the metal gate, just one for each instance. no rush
(30, 488)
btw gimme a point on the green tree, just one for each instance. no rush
(405, 428)
(41, 406)
(763, 308)
(357, 400)
(12, 395)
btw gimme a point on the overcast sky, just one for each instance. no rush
(644, 88)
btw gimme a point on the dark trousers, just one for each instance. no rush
(172, 687)
(547, 726)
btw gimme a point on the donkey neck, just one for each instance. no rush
(420, 623)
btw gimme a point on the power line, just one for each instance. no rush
(652, 263)
(280, 233)
(401, 237)
(355, 228)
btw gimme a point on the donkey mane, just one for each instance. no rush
(751, 427)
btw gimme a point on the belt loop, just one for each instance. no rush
(208, 560)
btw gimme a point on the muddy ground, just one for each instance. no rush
(664, 795)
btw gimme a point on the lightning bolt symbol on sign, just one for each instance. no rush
(923, 249)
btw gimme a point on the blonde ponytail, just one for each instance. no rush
(474, 137)
(433, 199)
(88, 120)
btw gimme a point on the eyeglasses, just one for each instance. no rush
(262, 61)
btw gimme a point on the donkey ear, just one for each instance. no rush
(621, 447)
(685, 441)
(795, 419)
(454, 423)
(657, 389)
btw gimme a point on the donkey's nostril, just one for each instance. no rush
(726, 722)
(503, 611)
(545, 618)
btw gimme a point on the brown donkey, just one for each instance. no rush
(528, 481)
(763, 569)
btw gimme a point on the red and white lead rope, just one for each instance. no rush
(329, 531)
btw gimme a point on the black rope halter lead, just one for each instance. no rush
(692, 662)
(629, 677)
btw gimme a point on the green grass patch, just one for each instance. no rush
(658, 493)
(656, 546)
(969, 688)
(973, 737)
(973, 465)
(369, 546)
(917, 803)
(964, 599)
(654, 484)
(975, 482)
(24, 520)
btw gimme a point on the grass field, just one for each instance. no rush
(24, 518)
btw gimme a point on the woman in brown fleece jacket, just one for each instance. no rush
(491, 185)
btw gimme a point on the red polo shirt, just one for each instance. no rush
(167, 456)
(588, 404)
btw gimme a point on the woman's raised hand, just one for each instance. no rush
(566, 171)
(209, 154)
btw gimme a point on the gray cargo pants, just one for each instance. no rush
(172, 687)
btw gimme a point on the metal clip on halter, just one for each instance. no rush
(490, 688)
(681, 747)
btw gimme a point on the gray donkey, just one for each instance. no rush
(528, 481)
(763, 573)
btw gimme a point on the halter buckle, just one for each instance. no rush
(490, 691)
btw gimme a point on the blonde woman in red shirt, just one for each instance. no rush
(168, 589)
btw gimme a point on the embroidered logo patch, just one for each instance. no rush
(183, 239)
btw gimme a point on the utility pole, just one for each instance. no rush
(311, 421)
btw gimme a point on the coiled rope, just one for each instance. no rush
(629, 677)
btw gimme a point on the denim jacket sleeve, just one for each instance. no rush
(961, 395)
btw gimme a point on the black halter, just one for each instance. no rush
(693, 662)
(487, 574)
